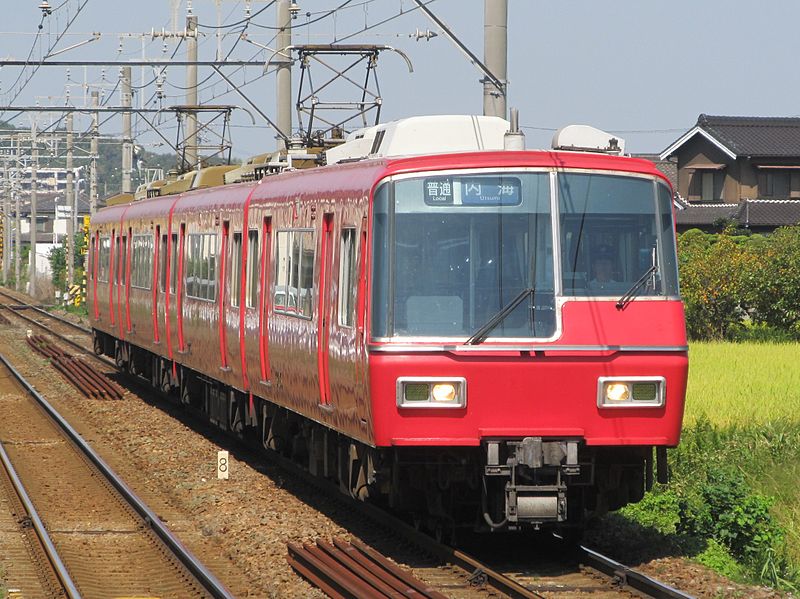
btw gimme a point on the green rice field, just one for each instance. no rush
(743, 384)
(743, 410)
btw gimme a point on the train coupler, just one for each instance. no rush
(528, 479)
(536, 504)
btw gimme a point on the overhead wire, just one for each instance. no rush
(50, 49)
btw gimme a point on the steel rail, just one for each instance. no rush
(44, 327)
(629, 577)
(479, 571)
(49, 547)
(204, 576)
(61, 319)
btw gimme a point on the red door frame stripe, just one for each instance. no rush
(223, 354)
(323, 324)
(156, 264)
(263, 317)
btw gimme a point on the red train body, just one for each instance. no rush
(352, 316)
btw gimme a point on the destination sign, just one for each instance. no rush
(472, 191)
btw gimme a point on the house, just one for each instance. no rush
(745, 169)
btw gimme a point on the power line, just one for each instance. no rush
(379, 23)
(50, 49)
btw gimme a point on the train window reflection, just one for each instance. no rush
(457, 249)
(294, 276)
(610, 236)
(104, 259)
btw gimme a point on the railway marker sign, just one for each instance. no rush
(222, 465)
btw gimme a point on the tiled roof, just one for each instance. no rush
(755, 136)
(46, 203)
(705, 214)
(769, 213)
(668, 167)
(750, 213)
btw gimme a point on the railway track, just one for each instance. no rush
(451, 572)
(98, 537)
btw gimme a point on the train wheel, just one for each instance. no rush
(120, 356)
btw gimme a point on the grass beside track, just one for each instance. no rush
(734, 499)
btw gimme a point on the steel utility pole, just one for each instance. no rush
(283, 73)
(32, 227)
(495, 55)
(70, 196)
(6, 222)
(191, 92)
(17, 233)
(93, 152)
(127, 142)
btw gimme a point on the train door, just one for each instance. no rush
(159, 278)
(128, 242)
(119, 281)
(174, 303)
(266, 294)
(112, 274)
(230, 260)
(324, 309)
(248, 333)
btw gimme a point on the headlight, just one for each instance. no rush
(631, 392)
(617, 392)
(443, 392)
(431, 392)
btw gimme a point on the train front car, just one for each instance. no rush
(528, 354)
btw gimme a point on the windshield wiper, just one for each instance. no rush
(483, 332)
(633, 291)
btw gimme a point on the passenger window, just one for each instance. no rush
(294, 280)
(163, 266)
(236, 268)
(347, 277)
(173, 275)
(252, 268)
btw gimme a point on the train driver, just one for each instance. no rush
(603, 270)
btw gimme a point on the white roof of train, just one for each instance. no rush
(438, 134)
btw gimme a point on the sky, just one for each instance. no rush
(639, 69)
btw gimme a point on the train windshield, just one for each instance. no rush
(450, 251)
(616, 233)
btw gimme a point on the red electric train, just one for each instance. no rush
(492, 339)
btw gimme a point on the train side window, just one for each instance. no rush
(285, 300)
(104, 259)
(210, 254)
(201, 266)
(122, 254)
(162, 267)
(252, 268)
(142, 262)
(236, 268)
(305, 271)
(294, 273)
(173, 276)
(347, 277)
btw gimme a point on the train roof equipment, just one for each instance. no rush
(440, 134)
(584, 138)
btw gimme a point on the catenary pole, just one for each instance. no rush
(93, 152)
(127, 141)
(190, 152)
(17, 232)
(33, 218)
(70, 196)
(283, 72)
(495, 52)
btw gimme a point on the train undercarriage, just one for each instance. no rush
(505, 484)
